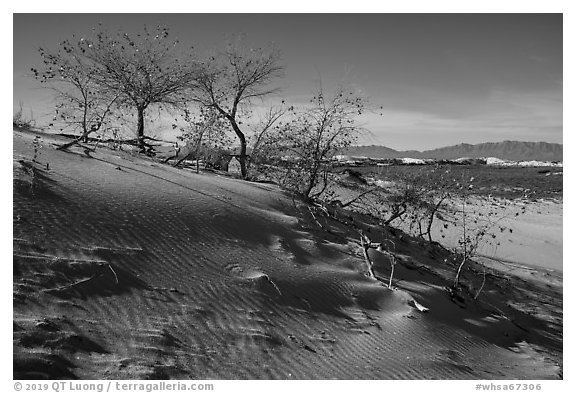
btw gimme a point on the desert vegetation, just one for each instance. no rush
(97, 78)
(388, 219)
(101, 80)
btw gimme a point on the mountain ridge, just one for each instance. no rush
(506, 150)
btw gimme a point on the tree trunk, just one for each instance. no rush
(140, 130)
(310, 187)
(312, 179)
(243, 158)
(430, 222)
(457, 277)
(85, 118)
(242, 138)
(465, 254)
(431, 217)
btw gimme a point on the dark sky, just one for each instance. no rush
(441, 78)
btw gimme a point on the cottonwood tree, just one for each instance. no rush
(144, 69)
(314, 135)
(232, 80)
(82, 103)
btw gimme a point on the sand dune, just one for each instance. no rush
(126, 268)
(528, 232)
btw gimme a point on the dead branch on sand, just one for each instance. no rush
(273, 284)
(366, 245)
(365, 242)
(85, 280)
(391, 256)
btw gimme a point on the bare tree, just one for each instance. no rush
(232, 80)
(315, 135)
(81, 102)
(144, 69)
(475, 229)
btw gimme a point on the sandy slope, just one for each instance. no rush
(126, 268)
(528, 232)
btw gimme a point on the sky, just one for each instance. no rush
(440, 79)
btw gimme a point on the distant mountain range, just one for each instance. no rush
(507, 150)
